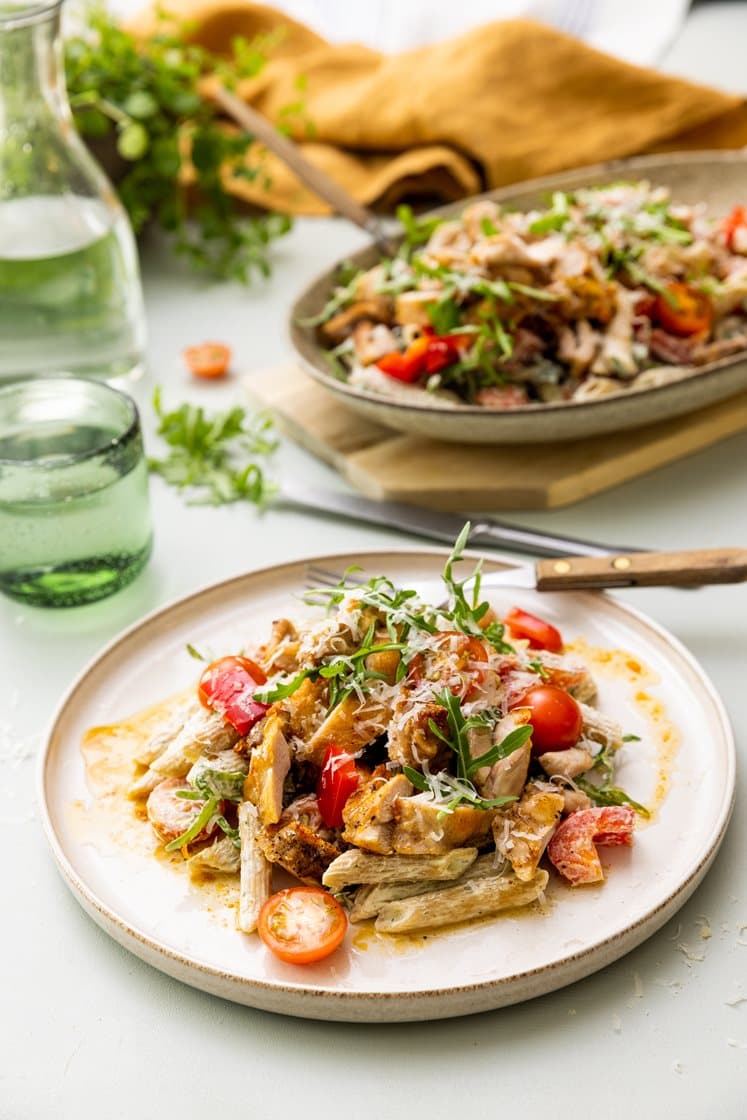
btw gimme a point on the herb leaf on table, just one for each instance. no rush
(218, 456)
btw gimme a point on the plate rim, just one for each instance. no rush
(596, 406)
(314, 998)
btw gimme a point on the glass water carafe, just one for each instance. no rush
(70, 295)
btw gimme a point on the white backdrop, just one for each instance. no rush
(636, 30)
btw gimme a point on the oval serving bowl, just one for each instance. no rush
(717, 178)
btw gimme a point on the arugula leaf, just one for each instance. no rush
(444, 315)
(209, 452)
(417, 230)
(195, 653)
(467, 614)
(606, 794)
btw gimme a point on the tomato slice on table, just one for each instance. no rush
(555, 717)
(228, 686)
(337, 780)
(302, 925)
(539, 634)
(683, 310)
(209, 359)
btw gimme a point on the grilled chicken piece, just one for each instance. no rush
(325, 639)
(305, 709)
(299, 842)
(411, 741)
(616, 353)
(280, 653)
(412, 307)
(352, 725)
(566, 764)
(167, 730)
(423, 829)
(369, 812)
(268, 769)
(577, 346)
(377, 308)
(502, 249)
(372, 341)
(600, 728)
(531, 823)
(507, 777)
(574, 800)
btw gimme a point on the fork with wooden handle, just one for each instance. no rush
(384, 234)
(622, 569)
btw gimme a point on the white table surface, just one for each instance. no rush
(88, 1030)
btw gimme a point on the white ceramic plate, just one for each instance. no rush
(154, 911)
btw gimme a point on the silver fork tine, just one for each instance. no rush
(321, 577)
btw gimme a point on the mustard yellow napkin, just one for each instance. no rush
(507, 101)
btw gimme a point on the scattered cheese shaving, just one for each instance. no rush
(704, 927)
(677, 1067)
(689, 955)
(736, 1044)
(736, 1001)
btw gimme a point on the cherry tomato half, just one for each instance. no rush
(555, 717)
(228, 686)
(683, 310)
(210, 359)
(539, 634)
(337, 780)
(302, 924)
(737, 219)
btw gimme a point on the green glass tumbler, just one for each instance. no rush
(75, 520)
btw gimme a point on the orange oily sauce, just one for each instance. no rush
(622, 665)
(115, 822)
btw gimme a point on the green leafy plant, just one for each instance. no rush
(141, 100)
(219, 456)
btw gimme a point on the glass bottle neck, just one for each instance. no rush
(32, 74)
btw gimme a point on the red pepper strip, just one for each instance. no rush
(427, 354)
(337, 780)
(228, 686)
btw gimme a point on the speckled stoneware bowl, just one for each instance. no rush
(718, 178)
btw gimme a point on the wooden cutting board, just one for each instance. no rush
(382, 463)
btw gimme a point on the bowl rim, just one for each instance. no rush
(299, 334)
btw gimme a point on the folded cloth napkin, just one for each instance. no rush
(506, 101)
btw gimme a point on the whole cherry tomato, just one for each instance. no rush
(555, 717)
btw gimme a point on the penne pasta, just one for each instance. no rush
(256, 872)
(355, 866)
(462, 902)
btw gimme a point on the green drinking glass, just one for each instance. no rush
(74, 515)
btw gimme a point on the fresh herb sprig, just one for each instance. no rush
(213, 793)
(139, 103)
(466, 610)
(218, 457)
(454, 791)
(601, 790)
